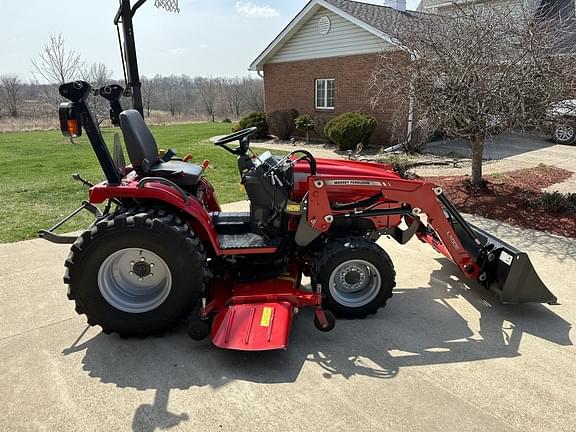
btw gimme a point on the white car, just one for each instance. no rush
(563, 121)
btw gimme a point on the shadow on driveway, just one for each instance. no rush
(420, 328)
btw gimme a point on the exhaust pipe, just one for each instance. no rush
(506, 271)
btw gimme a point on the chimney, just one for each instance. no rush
(396, 4)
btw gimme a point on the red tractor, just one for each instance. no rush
(163, 250)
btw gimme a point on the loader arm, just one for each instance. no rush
(421, 197)
(480, 256)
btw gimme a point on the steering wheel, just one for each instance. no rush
(243, 136)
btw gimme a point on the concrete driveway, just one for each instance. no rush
(441, 357)
(509, 152)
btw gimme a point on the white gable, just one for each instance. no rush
(343, 38)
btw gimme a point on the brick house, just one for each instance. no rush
(321, 62)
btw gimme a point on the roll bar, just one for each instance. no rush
(124, 16)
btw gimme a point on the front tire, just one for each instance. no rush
(136, 273)
(357, 277)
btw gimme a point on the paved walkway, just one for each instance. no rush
(443, 356)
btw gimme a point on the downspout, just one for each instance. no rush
(410, 125)
(410, 110)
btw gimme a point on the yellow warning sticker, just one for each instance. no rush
(293, 208)
(266, 317)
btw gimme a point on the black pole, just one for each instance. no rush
(130, 52)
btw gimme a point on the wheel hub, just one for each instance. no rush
(134, 280)
(142, 269)
(355, 283)
(353, 278)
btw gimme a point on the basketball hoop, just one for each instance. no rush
(168, 5)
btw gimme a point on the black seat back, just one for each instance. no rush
(140, 143)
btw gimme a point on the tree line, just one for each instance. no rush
(172, 96)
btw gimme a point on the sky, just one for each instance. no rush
(208, 37)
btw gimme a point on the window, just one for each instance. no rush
(325, 93)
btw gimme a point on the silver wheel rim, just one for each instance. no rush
(134, 280)
(355, 283)
(564, 133)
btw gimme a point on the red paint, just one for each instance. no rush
(253, 326)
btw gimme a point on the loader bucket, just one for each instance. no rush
(509, 272)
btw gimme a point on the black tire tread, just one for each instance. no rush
(359, 243)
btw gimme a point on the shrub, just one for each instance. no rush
(226, 120)
(350, 129)
(320, 122)
(258, 120)
(282, 123)
(306, 124)
(557, 202)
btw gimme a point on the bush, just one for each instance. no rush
(258, 120)
(557, 202)
(350, 129)
(306, 124)
(282, 123)
(226, 120)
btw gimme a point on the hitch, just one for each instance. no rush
(63, 239)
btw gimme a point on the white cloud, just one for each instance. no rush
(251, 10)
(176, 51)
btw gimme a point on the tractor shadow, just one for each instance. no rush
(420, 327)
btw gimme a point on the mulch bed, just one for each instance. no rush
(512, 197)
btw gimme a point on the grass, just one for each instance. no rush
(36, 189)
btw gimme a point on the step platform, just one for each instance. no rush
(236, 237)
(253, 326)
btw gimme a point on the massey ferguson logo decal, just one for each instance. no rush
(353, 182)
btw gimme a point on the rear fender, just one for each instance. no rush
(191, 208)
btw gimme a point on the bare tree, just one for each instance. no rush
(149, 92)
(98, 75)
(56, 63)
(478, 72)
(11, 86)
(209, 92)
(232, 96)
(171, 90)
(253, 94)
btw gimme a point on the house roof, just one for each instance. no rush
(375, 19)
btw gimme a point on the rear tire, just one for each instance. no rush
(136, 273)
(357, 277)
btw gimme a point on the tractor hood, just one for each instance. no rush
(344, 169)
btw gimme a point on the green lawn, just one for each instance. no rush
(37, 190)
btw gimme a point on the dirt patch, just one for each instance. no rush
(512, 197)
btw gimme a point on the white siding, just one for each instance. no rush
(344, 38)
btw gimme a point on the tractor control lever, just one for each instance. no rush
(79, 178)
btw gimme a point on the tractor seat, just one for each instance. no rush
(143, 153)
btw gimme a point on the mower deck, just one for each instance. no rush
(258, 315)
